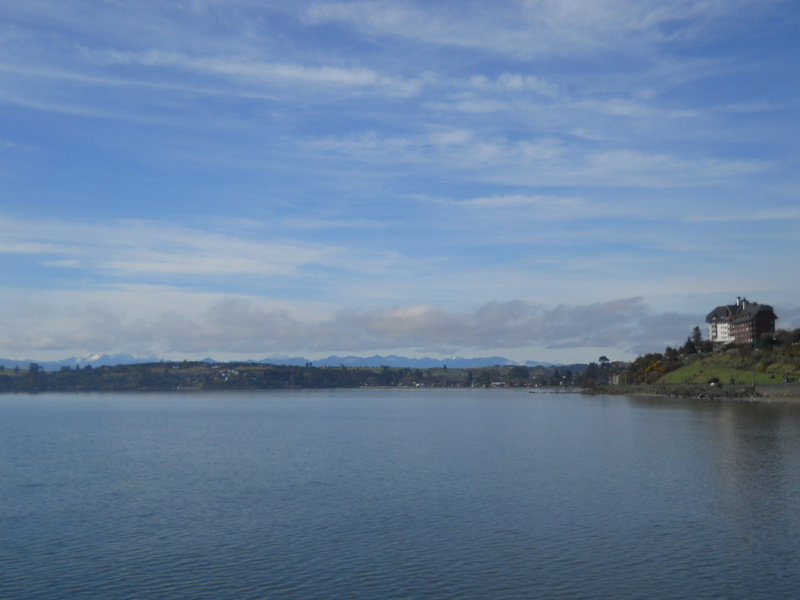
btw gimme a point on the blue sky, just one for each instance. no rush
(538, 179)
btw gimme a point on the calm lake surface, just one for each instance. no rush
(485, 494)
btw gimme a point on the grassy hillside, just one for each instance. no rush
(761, 368)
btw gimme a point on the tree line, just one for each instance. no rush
(198, 376)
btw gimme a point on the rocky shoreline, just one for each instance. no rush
(749, 393)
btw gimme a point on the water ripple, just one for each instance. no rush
(359, 496)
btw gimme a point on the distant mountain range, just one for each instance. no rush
(95, 360)
(455, 362)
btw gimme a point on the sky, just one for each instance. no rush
(543, 180)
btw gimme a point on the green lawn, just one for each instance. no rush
(734, 369)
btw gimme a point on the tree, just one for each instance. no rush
(767, 341)
(604, 368)
(484, 378)
(591, 376)
(35, 373)
(519, 373)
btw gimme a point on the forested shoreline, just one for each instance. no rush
(200, 376)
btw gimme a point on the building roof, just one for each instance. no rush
(751, 311)
(741, 311)
(721, 313)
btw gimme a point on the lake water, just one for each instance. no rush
(485, 494)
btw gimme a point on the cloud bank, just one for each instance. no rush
(236, 327)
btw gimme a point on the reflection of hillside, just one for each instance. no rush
(756, 462)
(745, 457)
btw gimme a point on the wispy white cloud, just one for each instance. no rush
(469, 106)
(258, 72)
(516, 201)
(543, 161)
(534, 28)
(663, 170)
(628, 107)
(774, 214)
(515, 82)
(27, 247)
(754, 107)
(144, 249)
